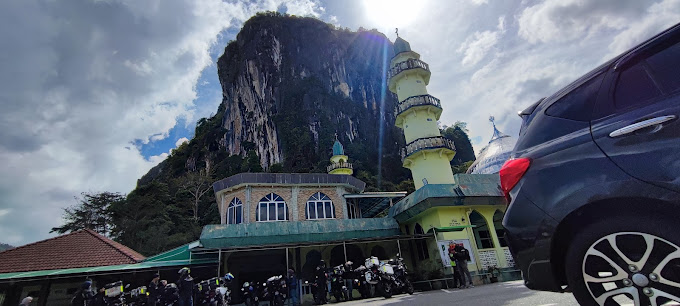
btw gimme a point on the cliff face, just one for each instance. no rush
(290, 84)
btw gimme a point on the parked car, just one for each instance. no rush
(594, 182)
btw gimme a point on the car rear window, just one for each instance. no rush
(578, 103)
(665, 66)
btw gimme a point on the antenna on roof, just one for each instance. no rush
(396, 30)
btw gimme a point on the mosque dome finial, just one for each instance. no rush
(401, 45)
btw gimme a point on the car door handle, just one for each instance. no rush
(641, 125)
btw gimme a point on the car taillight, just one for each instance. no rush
(511, 172)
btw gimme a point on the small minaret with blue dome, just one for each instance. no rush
(339, 164)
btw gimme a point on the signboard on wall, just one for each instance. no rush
(443, 247)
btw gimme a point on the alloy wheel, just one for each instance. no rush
(632, 267)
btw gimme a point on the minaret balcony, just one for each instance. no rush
(334, 166)
(429, 143)
(409, 64)
(423, 100)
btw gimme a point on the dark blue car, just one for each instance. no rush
(594, 182)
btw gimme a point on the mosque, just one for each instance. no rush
(295, 220)
(271, 222)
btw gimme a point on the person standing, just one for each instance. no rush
(154, 290)
(462, 256)
(84, 295)
(457, 281)
(186, 287)
(349, 276)
(294, 292)
(321, 283)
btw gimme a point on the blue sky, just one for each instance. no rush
(95, 93)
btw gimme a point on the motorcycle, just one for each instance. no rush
(208, 293)
(401, 281)
(170, 295)
(249, 294)
(113, 293)
(338, 288)
(275, 290)
(381, 275)
(359, 282)
(138, 296)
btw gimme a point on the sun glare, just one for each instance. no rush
(392, 13)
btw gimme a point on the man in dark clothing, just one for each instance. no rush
(321, 279)
(457, 281)
(154, 290)
(186, 288)
(294, 293)
(84, 295)
(462, 256)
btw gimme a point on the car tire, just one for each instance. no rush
(649, 245)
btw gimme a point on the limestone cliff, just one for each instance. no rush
(289, 84)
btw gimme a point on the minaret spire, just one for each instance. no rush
(427, 154)
(339, 164)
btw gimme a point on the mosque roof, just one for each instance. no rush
(337, 148)
(493, 156)
(401, 45)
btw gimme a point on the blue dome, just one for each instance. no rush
(338, 149)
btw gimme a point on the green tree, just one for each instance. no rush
(91, 211)
(464, 150)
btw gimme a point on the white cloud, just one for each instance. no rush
(80, 80)
(180, 141)
(658, 16)
(567, 20)
(476, 47)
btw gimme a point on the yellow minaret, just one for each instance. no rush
(339, 164)
(427, 154)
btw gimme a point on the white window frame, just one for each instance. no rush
(323, 199)
(271, 199)
(233, 205)
(353, 211)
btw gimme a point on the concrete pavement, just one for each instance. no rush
(507, 293)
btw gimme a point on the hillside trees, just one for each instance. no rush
(91, 211)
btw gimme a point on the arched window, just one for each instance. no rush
(320, 206)
(271, 208)
(235, 211)
(481, 230)
(500, 230)
(421, 244)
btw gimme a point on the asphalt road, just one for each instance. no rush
(507, 293)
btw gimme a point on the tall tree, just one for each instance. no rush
(90, 211)
(197, 184)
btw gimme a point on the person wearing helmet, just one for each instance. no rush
(321, 282)
(185, 284)
(84, 295)
(154, 290)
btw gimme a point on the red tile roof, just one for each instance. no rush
(83, 248)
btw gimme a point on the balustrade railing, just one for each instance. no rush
(416, 101)
(334, 166)
(426, 143)
(411, 63)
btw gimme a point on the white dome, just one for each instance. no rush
(493, 156)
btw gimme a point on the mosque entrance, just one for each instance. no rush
(256, 266)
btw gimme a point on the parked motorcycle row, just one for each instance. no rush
(210, 292)
(373, 278)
